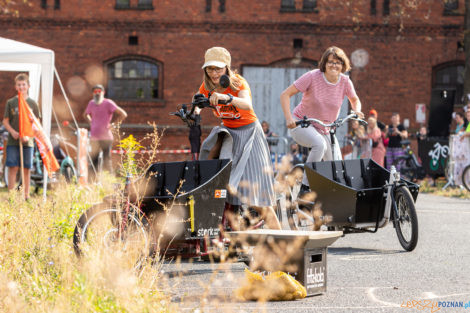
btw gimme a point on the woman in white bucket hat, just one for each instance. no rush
(251, 178)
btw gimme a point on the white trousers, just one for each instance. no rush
(319, 144)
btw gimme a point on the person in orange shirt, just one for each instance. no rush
(251, 178)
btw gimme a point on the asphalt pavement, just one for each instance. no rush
(366, 272)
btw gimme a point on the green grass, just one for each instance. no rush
(39, 271)
(436, 188)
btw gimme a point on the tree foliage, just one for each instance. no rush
(9, 6)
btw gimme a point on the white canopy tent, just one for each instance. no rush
(39, 63)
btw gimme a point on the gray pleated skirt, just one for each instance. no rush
(251, 178)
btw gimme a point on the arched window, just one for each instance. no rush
(134, 79)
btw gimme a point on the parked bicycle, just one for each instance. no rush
(466, 177)
(408, 165)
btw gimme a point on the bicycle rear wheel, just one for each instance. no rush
(466, 177)
(406, 223)
(109, 230)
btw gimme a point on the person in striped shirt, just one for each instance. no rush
(323, 91)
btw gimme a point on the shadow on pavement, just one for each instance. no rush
(361, 251)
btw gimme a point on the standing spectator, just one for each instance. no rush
(11, 123)
(378, 148)
(99, 113)
(267, 132)
(297, 156)
(373, 113)
(466, 134)
(422, 133)
(396, 133)
(459, 122)
(383, 128)
(359, 140)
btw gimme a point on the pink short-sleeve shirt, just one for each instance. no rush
(321, 99)
(101, 116)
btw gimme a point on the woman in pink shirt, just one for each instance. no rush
(323, 91)
(378, 148)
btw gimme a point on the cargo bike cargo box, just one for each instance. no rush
(353, 192)
(194, 191)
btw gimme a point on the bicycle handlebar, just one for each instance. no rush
(201, 101)
(305, 122)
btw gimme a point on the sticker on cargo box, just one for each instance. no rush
(220, 193)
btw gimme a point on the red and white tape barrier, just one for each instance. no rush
(166, 151)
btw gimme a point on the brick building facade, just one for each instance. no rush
(157, 46)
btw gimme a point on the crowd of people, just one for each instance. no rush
(101, 113)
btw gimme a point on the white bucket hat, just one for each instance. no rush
(217, 56)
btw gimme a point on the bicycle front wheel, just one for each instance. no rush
(406, 221)
(466, 177)
(110, 230)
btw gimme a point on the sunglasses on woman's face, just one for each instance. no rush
(212, 69)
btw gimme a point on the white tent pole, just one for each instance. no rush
(74, 121)
(65, 96)
(47, 85)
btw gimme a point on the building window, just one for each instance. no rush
(56, 4)
(373, 7)
(386, 8)
(123, 4)
(307, 6)
(44, 4)
(135, 5)
(134, 79)
(287, 5)
(222, 6)
(208, 5)
(451, 7)
(145, 4)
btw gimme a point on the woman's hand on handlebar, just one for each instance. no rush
(359, 114)
(290, 123)
(215, 97)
